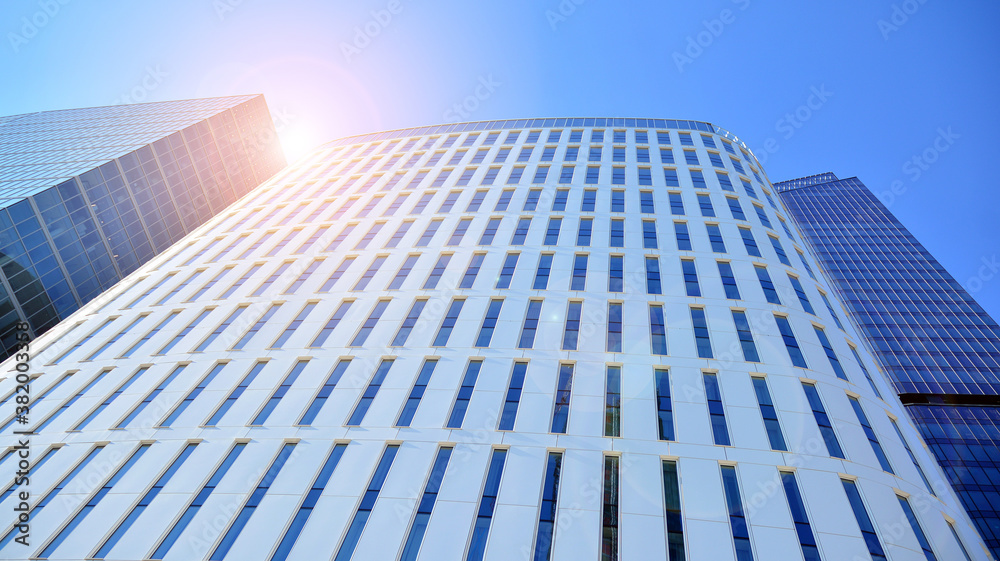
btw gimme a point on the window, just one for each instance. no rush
(617, 200)
(579, 280)
(531, 201)
(428, 234)
(504, 200)
(715, 238)
(745, 336)
(649, 234)
(448, 324)
(324, 392)
(780, 251)
(682, 235)
(464, 394)
(515, 175)
(691, 158)
(222, 327)
(794, 353)
(676, 204)
(408, 323)
(642, 154)
(490, 177)
(670, 177)
(490, 231)
(335, 276)
(364, 511)
(657, 330)
(701, 337)
(571, 331)
(279, 392)
(501, 156)
(593, 175)
(832, 356)
(364, 403)
(610, 518)
(617, 237)
(566, 175)
(404, 227)
(507, 271)
(616, 266)
(542, 272)
(256, 327)
(618, 176)
(749, 243)
(484, 512)
(645, 176)
(403, 272)
(915, 525)
(769, 414)
(369, 236)
(724, 181)
(435, 275)
(525, 154)
(595, 154)
(552, 232)
(540, 174)
(770, 294)
(653, 276)
(737, 520)
(913, 458)
(368, 275)
(302, 278)
(762, 215)
(864, 522)
(589, 200)
(716, 160)
(489, 323)
(871, 382)
(584, 231)
(698, 179)
(883, 460)
(667, 157)
(597, 135)
(572, 153)
(829, 308)
(646, 202)
(530, 325)
(705, 204)
(521, 232)
(548, 153)
(614, 341)
(416, 393)
(728, 280)
(690, 277)
(664, 410)
(802, 527)
(672, 507)
(801, 294)
(564, 390)
(513, 398)
(449, 202)
(559, 202)
(472, 271)
(367, 326)
(421, 203)
(612, 401)
(822, 421)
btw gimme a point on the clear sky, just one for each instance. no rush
(856, 87)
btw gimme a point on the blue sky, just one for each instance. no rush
(901, 94)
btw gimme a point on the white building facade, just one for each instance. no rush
(538, 339)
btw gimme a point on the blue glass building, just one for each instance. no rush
(937, 346)
(88, 195)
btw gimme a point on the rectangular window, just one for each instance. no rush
(504, 200)
(435, 275)
(403, 272)
(701, 336)
(115, 339)
(369, 236)
(397, 236)
(653, 285)
(613, 401)
(672, 508)
(676, 204)
(416, 393)
(715, 238)
(610, 518)
(531, 201)
(409, 322)
(664, 409)
(749, 243)
(790, 343)
(221, 328)
(422, 203)
(367, 276)
(748, 188)
(449, 202)
(426, 505)
(583, 233)
(864, 522)
(564, 390)
(490, 177)
(737, 520)
(691, 158)
(370, 392)
(559, 202)
(542, 272)
(595, 154)
(913, 458)
(513, 398)
(657, 330)
(690, 277)
(883, 460)
(925, 546)
(547, 513)
(802, 527)
(617, 237)
(448, 323)
(279, 393)
(762, 215)
(525, 154)
(540, 174)
(466, 176)
(566, 175)
(649, 234)
(521, 232)
(501, 156)
(428, 235)
(579, 280)
(745, 336)
(489, 323)
(617, 176)
(617, 200)
(477, 201)
(234, 395)
(361, 516)
(256, 327)
(735, 209)
(645, 175)
(464, 394)
(251, 272)
(593, 175)
(571, 331)
(698, 179)
(614, 342)
(589, 200)
(716, 410)
(705, 204)
(779, 251)
(548, 153)
(368, 325)
(801, 294)
(770, 294)
(530, 325)
(507, 271)
(484, 512)
(302, 278)
(832, 356)
(769, 414)
(868, 375)
(490, 231)
(616, 273)
(335, 276)
(670, 177)
(716, 160)
(836, 319)
(552, 231)
(472, 271)
(682, 235)
(823, 421)
(324, 392)
(728, 280)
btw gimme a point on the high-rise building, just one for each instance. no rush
(88, 195)
(533, 339)
(935, 343)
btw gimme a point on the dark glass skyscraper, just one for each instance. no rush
(88, 195)
(938, 347)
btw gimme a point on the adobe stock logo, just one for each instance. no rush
(30, 26)
(365, 34)
(696, 44)
(483, 91)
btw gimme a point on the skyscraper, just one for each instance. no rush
(936, 344)
(88, 195)
(542, 339)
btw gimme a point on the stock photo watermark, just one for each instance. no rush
(696, 44)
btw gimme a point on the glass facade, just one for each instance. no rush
(88, 195)
(935, 343)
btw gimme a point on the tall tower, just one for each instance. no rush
(531, 339)
(936, 344)
(88, 195)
